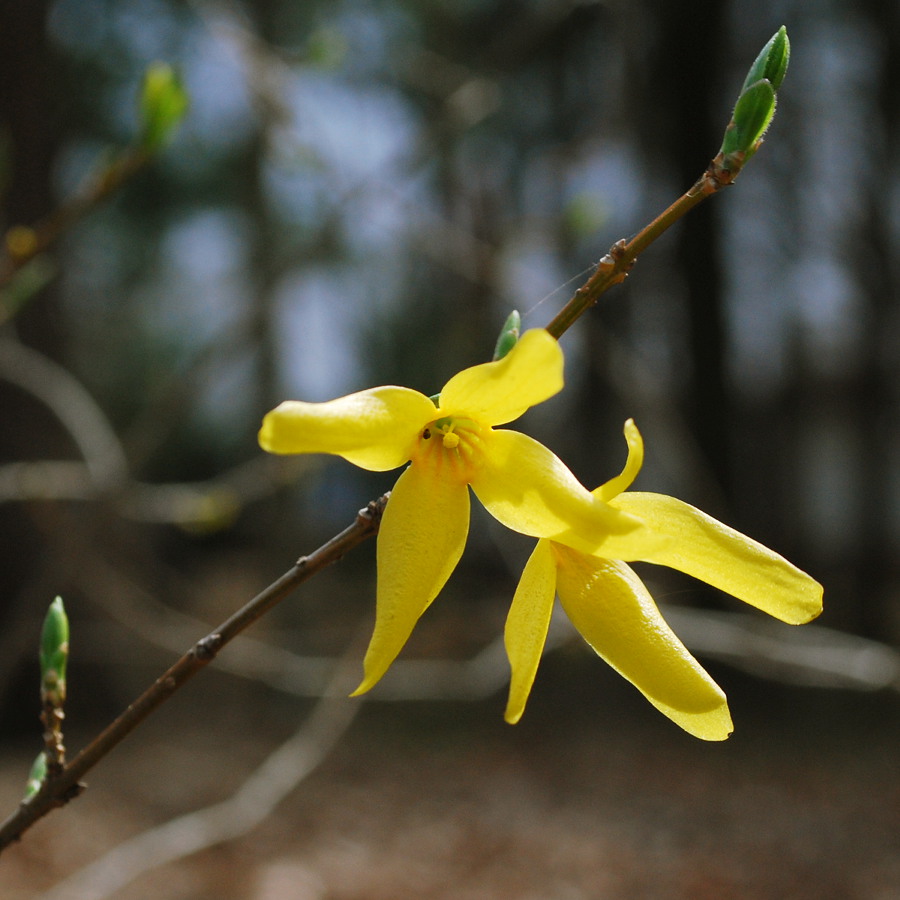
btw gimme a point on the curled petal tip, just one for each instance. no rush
(362, 689)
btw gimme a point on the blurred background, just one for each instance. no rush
(360, 194)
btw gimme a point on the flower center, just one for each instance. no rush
(449, 446)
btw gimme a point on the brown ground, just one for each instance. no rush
(589, 797)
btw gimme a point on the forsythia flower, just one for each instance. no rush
(451, 443)
(609, 605)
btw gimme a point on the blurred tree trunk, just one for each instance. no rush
(30, 136)
(681, 127)
(31, 139)
(875, 408)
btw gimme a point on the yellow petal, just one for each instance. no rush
(422, 535)
(615, 613)
(633, 464)
(705, 548)
(530, 490)
(374, 429)
(527, 624)
(498, 392)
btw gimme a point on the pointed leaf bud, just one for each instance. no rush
(163, 104)
(772, 61)
(755, 105)
(36, 776)
(509, 335)
(751, 117)
(54, 653)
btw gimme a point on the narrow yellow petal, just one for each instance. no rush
(500, 391)
(527, 624)
(374, 429)
(530, 490)
(615, 613)
(705, 548)
(422, 535)
(633, 464)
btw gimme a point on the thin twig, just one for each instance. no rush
(247, 807)
(615, 266)
(58, 791)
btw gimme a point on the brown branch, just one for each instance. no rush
(52, 716)
(22, 243)
(58, 790)
(63, 784)
(615, 266)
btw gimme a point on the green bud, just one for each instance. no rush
(772, 62)
(751, 118)
(54, 653)
(36, 776)
(755, 106)
(163, 104)
(509, 335)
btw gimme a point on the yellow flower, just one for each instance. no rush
(614, 612)
(452, 442)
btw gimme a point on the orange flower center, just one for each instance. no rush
(449, 446)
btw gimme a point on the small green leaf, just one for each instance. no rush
(509, 335)
(54, 653)
(751, 118)
(772, 62)
(36, 776)
(163, 104)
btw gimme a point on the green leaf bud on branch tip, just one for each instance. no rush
(755, 105)
(54, 653)
(163, 104)
(509, 335)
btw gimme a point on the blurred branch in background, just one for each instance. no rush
(104, 471)
(22, 243)
(813, 656)
(163, 104)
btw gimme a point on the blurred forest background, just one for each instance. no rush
(360, 193)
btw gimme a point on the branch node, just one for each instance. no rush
(206, 648)
(371, 515)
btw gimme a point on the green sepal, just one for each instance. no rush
(36, 776)
(772, 62)
(163, 105)
(751, 118)
(509, 335)
(54, 652)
